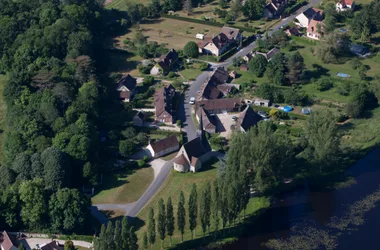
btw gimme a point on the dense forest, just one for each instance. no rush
(58, 103)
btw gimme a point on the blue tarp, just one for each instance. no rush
(287, 108)
(343, 75)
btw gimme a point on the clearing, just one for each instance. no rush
(173, 33)
(123, 186)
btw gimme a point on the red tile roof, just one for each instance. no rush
(168, 142)
(6, 242)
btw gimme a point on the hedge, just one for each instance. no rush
(304, 40)
(86, 238)
(215, 24)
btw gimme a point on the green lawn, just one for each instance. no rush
(192, 72)
(2, 115)
(124, 186)
(122, 4)
(183, 181)
(123, 62)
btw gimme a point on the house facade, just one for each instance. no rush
(126, 88)
(165, 63)
(208, 121)
(220, 43)
(310, 14)
(344, 5)
(164, 104)
(163, 147)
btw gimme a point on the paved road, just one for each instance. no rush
(152, 189)
(188, 122)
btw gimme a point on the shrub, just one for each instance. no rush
(141, 163)
(172, 74)
(146, 158)
(324, 84)
(191, 50)
(203, 66)
(179, 123)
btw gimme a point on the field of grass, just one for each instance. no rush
(123, 186)
(122, 4)
(173, 33)
(123, 62)
(2, 115)
(177, 182)
(192, 72)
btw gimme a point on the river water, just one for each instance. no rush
(304, 206)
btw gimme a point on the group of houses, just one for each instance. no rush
(220, 43)
(12, 241)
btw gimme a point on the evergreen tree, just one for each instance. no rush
(110, 233)
(170, 218)
(233, 200)
(161, 221)
(133, 240)
(244, 192)
(193, 210)
(205, 208)
(145, 240)
(21, 247)
(181, 215)
(118, 242)
(125, 233)
(216, 206)
(100, 243)
(151, 228)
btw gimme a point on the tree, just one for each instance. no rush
(117, 239)
(155, 8)
(68, 210)
(181, 215)
(330, 20)
(161, 221)
(126, 147)
(169, 218)
(191, 50)
(57, 169)
(216, 206)
(205, 208)
(133, 240)
(295, 65)
(188, 7)
(151, 228)
(100, 242)
(235, 9)
(33, 203)
(125, 233)
(276, 69)
(69, 245)
(332, 47)
(322, 138)
(145, 240)
(193, 209)
(253, 9)
(257, 65)
(110, 233)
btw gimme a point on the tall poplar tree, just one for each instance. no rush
(181, 215)
(205, 208)
(133, 240)
(125, 233)
(118, 242)
(110, 233)
(151, 228)
(161, 221)
(169, 218)
(216, 206)
(193, 210)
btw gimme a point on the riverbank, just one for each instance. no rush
(311, 210)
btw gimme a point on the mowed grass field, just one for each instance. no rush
(3, 110)
(173, 33)
(177, 182)
(122, 4)
(124, 186)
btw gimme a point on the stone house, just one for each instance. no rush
(219, 106)
(247, 119)
(126, 88)
(220, 43)
(163, 147)
(344, 5)
(305, 17)
(274, 8)
(164, 104)
(165, 63)
(314, 30)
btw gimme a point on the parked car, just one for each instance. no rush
(263, 114)
(192, 100)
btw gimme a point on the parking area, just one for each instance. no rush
(224, 124)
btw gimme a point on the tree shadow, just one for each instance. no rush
(316, 72)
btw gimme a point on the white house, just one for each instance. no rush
(344, 5)
(200, 36)
(163, 147)
(308, 15)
